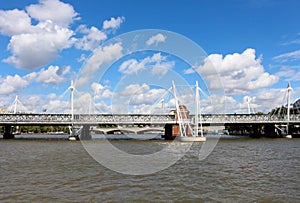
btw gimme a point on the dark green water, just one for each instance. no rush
(238, 170)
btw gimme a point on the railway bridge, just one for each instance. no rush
(256, 122)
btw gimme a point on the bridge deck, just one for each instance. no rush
(66, 119)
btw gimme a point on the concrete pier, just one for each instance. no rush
(8, 133)
(85, 133)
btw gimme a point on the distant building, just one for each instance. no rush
(3, 110)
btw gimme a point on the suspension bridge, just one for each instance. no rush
(259, 123)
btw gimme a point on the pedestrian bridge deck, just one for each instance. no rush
(126, 119)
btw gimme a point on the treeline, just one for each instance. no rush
(37, 129)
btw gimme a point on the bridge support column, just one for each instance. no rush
(256, 131)
(171, 130)
(270, 130)
(85, 133)
(7, 132)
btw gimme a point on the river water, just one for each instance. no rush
(237, 170)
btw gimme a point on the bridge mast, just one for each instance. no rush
(72, 88)
(289, 89)
(163, 106)
(197, 103)
(16, 104)
(197, 110)
(177, 109)
(248, 103)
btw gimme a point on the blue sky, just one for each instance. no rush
(251, 48)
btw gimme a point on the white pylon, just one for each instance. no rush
(248, 100)
(181, 128)
(16, 104)
(72, 88)
(197, 110)
(289, 89)
(163, 105)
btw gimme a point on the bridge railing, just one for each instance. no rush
(132, 119)
(124, 118)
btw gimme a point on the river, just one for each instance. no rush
(237, 170)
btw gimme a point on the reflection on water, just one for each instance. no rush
(240, 170)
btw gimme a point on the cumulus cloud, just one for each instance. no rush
(156, 39)
(274, 96)
(12, 84)
(52, 75)
(101, 55)
(33, 46)
(113, 23)
(58, 12)
(131, 66)
(13, 22)
(91, 39)
(139, 98)
(135, 88)
(218, 104)
(157, 63)
(57, 106)
(100, 91)
(33, 50)
(240, 73)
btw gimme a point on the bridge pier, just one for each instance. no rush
(257, 130)
(85, 133)
(270, 130)
(7, 132)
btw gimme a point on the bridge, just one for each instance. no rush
(269, 123)
(135, 119)
(153, 122)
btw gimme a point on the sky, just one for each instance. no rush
(123, 55)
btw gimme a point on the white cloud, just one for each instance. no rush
(52, 75)
(290, 56)
(100, 91)
(218, 104)
(33, 46)
(190, 70)
(139, 98)
(274, 96)
(157, 63)
(12, 84)
(134, 89)
(113, 23)
(13, 22)
(91, 39)
(101, 55)
(156, 39)
(131, 66)
(240, 73)
(33, 103)
(33, 50)
(102, 107)
(57, 106)
(290, 73)
(162, 68)
(58, 12)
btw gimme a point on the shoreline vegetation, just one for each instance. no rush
(37, 129)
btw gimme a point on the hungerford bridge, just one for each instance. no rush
(258, 124)
(153, 122)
